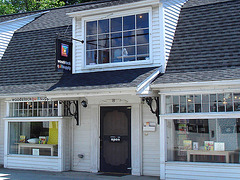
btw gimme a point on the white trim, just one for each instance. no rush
(162, 37)
(33, 119)
(143, 89)
(196, 84)
(110, 66)
(116, 8)
(162, 139)
(74, 45)
(215, 115)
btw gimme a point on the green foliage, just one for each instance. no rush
(18, 6)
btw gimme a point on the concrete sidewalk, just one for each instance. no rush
(69, 175)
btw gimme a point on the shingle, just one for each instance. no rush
(207, 41)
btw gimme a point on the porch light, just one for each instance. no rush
(84, 103)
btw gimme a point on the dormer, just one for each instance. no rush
(124, 35)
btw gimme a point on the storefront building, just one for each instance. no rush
(134, 89)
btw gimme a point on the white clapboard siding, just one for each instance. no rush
(151, 147)
(66, 139)
(39, 163)
(202, 171)
(7, 29)
(155, 36)
(82, 141)
(2, 110)
(171, 10)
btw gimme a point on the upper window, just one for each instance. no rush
(117, 40)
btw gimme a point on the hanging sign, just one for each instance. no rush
(63, 56)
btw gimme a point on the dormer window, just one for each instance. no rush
(117, 40)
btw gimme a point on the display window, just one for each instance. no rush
(33, 138)
(203, 140)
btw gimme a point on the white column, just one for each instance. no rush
(95, 142)
(136, 139)
(162, 139)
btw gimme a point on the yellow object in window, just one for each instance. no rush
(53, 133)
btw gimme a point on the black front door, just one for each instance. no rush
(115, 139)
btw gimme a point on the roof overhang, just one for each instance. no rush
(198, 87)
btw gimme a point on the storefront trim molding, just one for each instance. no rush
(201, 115)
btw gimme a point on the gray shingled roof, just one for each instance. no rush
(206, 46)
(28, 64)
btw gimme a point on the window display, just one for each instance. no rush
(34, 138)
(204, 140)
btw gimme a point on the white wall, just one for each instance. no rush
(151, 147)
(82, 141)
(7, 29)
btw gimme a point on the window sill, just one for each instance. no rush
(114, 66)
(201, 163)
(31, 156)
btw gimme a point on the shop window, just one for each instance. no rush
(199, 103)
(204, 140)
(33, 109)
(116, 40)
(33, 138)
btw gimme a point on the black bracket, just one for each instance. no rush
(72, 108)
(149, 101)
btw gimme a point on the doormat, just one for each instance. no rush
(112, 174)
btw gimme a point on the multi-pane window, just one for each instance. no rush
(222, 102)
(120, 39)
(33, 109)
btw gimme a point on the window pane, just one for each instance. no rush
(91, 42)
(221, 103)
(33, 138)
(228, 101)
(213, 103)
(190, 106)
(103, 56)
(197, 103)
(205, 103)
(129, 53)
(203, 140)
(92, 28)
(142, 21)
(129, 22)
(116, 24)
(129, 38)
(103, 26)
(116, 55)
(143, 36)
(182, 104)
(103, 41)
(236, 101)
(142, 49)
(175, 104)
(116, 39)
(168, 104)
(91, 57)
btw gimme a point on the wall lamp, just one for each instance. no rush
(84, 103)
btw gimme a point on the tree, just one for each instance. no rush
(18, 6)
